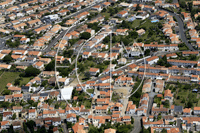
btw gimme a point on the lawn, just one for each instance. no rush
(136, 23)
(7, 77)
(24, 81)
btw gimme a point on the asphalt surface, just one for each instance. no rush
(137, 125)
(181, 29)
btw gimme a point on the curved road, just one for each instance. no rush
(181, 29)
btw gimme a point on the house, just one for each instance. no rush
(39, 65)
(14, 89)
(106, 4)
(99, 110)
(161, 110)
(34, 53)
(110, 130)
(5, 125)
(178, 110)
(152, 60)
(122, 31)
(71, 118)
(16, 125)
(187, 111)
(77, 7)
(7, 115)
(131, 108)
(17, 97)
(17, 109)
(188, 53)
(140, 32)
(49, 113)
(180, 63)
(122, 14)
(132, 67)
(97, 8)
(56, 121)
(196, 110)
(86, 55)
(94, 71)
(141, 15)
(168, 95)
(24, 40)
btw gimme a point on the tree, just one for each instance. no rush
(132, 120)
(6, 92)
(147, 52)
(50, 66)
(137, 7)
(85, 35)
(69, 125)
(164, 130)
(30, 102)
(87, 75)
(7, 58)
(14, 116)
(182, 3)
(31, 71)
(44, 83)
(17, 82)
(166, 104)
(189, 104)
(68, 53)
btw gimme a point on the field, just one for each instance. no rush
(7, 77)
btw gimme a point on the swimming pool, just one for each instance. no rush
(154, 21)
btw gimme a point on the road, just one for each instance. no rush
(181, 29)
(85, 9)
(64, 126)
(2, 43)
(55, 40)
(137, 125)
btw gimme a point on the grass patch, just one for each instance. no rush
(7, 77)
(90, 90)
(24, 81)
(136, 22)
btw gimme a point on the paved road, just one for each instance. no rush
(179, 124)
(137, 125)
(64, 126)
(181, 29)
(2, 43)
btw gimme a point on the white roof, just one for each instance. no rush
(66, 93)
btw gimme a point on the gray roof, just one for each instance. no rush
(44, 94)
(2, 97)
(178, 108)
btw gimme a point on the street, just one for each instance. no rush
(181, 29)
(137, 125)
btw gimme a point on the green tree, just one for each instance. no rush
(50, 66)
(182, 3)
(31, 71)
(6, 92)
(147, 52)
(44, 83)
(30, 102)
(7, 58)
(137, 7)
(17, 82)
(14, 116)
(68, 53)
(85, 35)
